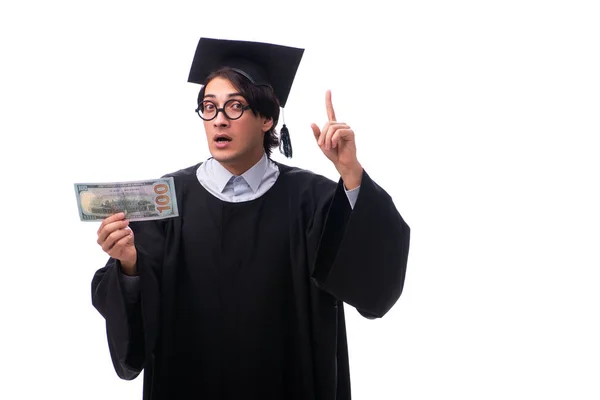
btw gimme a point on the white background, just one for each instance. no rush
(480, 118)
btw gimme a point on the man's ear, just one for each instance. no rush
(267, 124)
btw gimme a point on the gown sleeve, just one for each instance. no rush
(131, 318)
(362, 253)
(123, 320)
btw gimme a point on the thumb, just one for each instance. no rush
(316, 131)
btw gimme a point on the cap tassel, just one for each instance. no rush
(285, 142)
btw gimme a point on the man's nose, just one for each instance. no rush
(221, 120)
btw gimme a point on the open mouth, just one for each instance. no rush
(222, 139)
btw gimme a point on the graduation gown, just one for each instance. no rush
(245, 300)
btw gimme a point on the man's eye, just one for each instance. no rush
(208, 106)
(236, 105)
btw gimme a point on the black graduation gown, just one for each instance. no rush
(245, 300)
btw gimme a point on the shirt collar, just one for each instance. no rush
(253, 176)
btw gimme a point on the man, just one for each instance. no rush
(241, 296)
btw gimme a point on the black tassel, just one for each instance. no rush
(285, 142)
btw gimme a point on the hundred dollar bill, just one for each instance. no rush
(139, 200)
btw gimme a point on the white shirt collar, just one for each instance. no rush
(253, 176)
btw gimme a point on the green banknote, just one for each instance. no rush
(139, 200)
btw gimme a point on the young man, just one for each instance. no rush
(241, 296)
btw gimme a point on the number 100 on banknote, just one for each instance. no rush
(139, 200)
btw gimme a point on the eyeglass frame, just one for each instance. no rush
(222, 109)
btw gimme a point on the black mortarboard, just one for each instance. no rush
(262, 63)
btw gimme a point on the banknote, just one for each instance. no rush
(139, 200)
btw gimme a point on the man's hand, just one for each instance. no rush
(116, 239)
(336, 140)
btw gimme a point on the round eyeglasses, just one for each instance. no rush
(232, 109)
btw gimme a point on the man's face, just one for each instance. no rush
(236, 144)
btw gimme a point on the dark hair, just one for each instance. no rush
(261, 99)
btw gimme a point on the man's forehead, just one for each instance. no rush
(228, 95)
(221, 87)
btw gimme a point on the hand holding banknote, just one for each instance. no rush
(116, 203)
(116, 239)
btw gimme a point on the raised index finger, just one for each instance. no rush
(329, 106)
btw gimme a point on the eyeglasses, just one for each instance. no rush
(232, 109)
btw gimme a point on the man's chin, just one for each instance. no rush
(223, 157)
(222, 154)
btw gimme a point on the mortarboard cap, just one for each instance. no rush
(262, 63)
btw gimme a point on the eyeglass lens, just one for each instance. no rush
(233, 109)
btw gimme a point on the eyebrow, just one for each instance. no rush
(230, 95)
